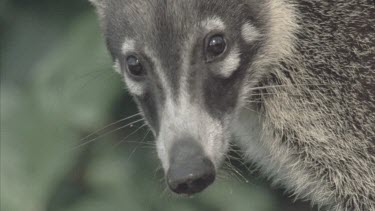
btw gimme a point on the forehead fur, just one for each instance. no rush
(153, 22)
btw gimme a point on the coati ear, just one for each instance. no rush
(100, 6)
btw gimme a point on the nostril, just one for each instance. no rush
(182, 188)
(192, 184)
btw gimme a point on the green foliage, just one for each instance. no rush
(70, 90)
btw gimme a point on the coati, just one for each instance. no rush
(292, 81)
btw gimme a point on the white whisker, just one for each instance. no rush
(110, 125)
(141, 142)
(109, 132)
(139, 128)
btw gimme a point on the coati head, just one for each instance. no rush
(190, 65)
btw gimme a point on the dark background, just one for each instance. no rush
(58, 87)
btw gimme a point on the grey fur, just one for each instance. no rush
(311, 85)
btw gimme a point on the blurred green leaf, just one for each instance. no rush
(71, 92)
(74, 81)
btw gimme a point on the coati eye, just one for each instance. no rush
(216, 45)
(135, 67)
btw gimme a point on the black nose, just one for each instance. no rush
(190, 170)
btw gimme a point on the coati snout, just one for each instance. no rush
(190, 171)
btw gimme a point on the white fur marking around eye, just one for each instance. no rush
(134, 87)
(249, 33)
(128, 46)
(213, 23)
(230, 64)
(117, 66)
